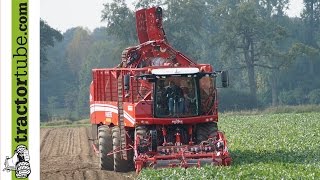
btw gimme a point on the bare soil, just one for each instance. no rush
(67, 154)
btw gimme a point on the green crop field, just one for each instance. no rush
(275, 146)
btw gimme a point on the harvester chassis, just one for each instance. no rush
(157, 108)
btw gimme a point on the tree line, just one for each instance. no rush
(272, 59)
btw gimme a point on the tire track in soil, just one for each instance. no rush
(44, 135)
(47, 143)
(66, 154)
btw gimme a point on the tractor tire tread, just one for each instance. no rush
(105, 147)
(120, 165)
(23, 169)
(205, 130)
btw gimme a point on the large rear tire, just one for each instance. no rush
(23, 169)
(206, 130)
(120, 165)
(105, 147)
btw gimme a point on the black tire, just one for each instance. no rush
(131, 160)
(120, 165)
(205, 130)
(141, 132)
(23, 169)
(105, 147)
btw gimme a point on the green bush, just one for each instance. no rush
(287, 98)
(314, 96)
(292, 109)
(233, 100)
(66, 122)
(265, 98)
(57, 123)
(293, 97)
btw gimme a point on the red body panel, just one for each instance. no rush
(137, 106)
(149, 25)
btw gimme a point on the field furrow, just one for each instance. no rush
(66, 154)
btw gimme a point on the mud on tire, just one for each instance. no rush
(105, 147)
(204, 130)
(23, 169)
(120, 165)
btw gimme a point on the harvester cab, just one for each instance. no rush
(183, 92)
(157, 108)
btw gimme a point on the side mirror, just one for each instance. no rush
(126, 82)
(225, 79)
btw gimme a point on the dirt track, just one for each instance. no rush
(66, 153)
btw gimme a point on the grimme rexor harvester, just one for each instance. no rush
(158, 108)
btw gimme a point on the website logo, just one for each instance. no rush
(19, 162)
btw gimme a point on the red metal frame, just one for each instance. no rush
(137, 108)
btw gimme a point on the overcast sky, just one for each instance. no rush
(64, 14)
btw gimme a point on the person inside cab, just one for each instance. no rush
(175, 99)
